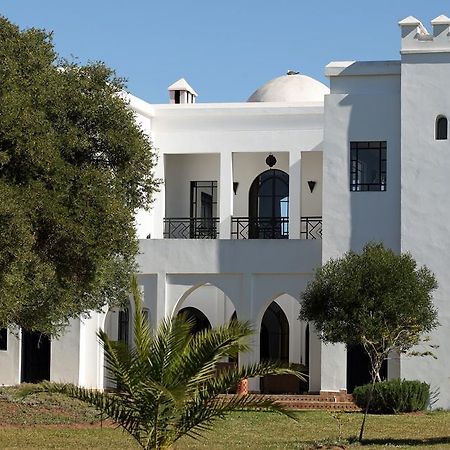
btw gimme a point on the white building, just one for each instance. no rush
(257, 195)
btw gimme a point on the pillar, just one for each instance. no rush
(245, 312)
(327, 365)
(295, 193)
(158, 211)
(226, 194)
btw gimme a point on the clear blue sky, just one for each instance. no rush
(225, 49)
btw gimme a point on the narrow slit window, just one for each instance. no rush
(441, 128)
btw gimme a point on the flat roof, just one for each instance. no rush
(362, 68)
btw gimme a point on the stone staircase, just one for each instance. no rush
(325, 401)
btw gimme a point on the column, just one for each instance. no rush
(158, 210)
(226, 194)
(327, 365)
(295, 193)
(246, 311)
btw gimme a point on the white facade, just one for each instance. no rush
(195, 246)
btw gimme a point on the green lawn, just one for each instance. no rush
(53, 422)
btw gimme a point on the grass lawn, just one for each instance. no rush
(54, 422)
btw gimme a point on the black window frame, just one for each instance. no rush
(359, 146)
(203, 209)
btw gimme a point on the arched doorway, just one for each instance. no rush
(358, 368)
(35, 357)
(274, 346)
(269, 205)
(274, 338)
(199, 319)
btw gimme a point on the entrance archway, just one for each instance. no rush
(274, 346)
(269, 205)
(36, 351)
(274, 337)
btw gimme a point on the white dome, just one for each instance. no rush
(290, 88)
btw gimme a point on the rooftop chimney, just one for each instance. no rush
(181, 92)
(441, 27)
(416, 39)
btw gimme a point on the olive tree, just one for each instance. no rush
(74, 168)
(377, 299)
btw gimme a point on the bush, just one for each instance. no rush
(395, 396)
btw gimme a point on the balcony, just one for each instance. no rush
(274, 228)
(191, 228)
(241, 228)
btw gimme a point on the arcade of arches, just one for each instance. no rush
(282, 337)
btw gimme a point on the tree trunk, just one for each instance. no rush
(376, 367)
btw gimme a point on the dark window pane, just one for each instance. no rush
(368, 166)
(441, 128)
(124, 321)
(266, 187)
(3, 339)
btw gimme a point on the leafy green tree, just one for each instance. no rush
(74, 168)
(169, 383)
(376, 299)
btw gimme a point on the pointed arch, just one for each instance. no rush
(210, 299)
(274, 336)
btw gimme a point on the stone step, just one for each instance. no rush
(329, 406)
(314, 398)
(330, 402)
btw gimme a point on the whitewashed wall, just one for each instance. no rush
(364, 105)
(426, 190)
(10, 360)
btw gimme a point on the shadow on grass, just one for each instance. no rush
(427, 441)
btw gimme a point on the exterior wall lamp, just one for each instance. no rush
(312, 185)
(235, 187)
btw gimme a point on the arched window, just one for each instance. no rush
(269, 205)
(441, 128)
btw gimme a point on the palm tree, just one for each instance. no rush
(168, 382)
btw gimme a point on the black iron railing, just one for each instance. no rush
(259, 228)
(190, 228)
(311, 227)
(274, 228)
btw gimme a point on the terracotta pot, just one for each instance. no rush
(242, 387)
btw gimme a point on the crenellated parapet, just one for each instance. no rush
(417, 39)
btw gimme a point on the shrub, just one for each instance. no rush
(394, 396)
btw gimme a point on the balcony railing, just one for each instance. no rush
(241, 228)
(311, 227)
(274, 228)
(259, 228)
(191, 228)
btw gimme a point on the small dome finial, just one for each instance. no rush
(292, 72)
